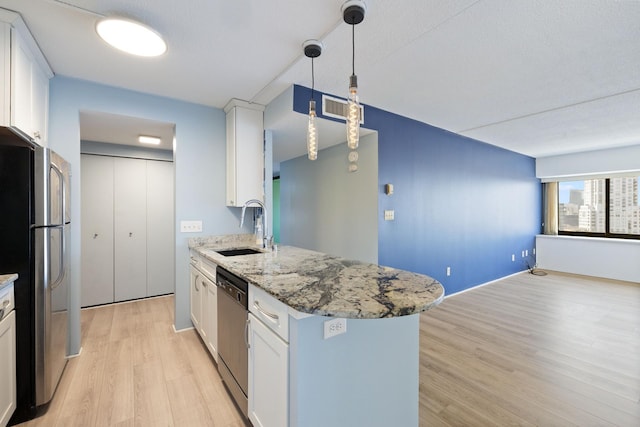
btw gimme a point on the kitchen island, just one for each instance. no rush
(367, 375)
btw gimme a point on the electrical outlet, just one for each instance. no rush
(522, 254)
(513, 257)
(534, 251)
(190, 226)
(334, 327)
(448, 271)
(389, 215)
(526, 252)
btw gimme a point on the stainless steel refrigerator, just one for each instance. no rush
(34, 234)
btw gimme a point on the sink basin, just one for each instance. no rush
(236, 252)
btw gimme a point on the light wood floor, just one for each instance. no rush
(134, 370)
(557, 350)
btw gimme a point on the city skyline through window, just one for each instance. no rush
(606, 206)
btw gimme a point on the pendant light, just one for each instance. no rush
(312, 49)
(353, 13)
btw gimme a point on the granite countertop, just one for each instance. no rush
(5, 279)
(325, 285)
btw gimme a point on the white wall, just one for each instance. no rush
(613, 160)
(199, 162)
(610, 258)
(325, 208)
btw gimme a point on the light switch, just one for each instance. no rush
(389, 215)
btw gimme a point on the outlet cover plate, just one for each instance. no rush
(190, 226)
(334, 327)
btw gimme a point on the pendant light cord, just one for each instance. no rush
(353, 49)
(312, 79)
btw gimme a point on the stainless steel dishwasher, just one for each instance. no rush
(232, 335)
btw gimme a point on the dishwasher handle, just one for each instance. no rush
(246, 333)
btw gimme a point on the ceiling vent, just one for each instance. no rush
(337, 108)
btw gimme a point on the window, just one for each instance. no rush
(605, 207)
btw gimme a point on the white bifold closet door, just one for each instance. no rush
(127, 229)
(160, 228)
(97, 230)
(130, 229)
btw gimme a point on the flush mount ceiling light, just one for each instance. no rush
(353, 13)
(131, 37)
(312, 49)
(145, 139)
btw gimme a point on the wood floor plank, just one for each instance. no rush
(116, 404)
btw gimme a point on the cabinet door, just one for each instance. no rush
(160, 226)
(268, 377)
(130, 229)
(245, 155)
(211, 318)
(194, 297)
(7, 367)
(97, 230)
(5, 74)
(39, 105)
(203, 284)
(21, 98)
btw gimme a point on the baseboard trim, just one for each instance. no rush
(176, 331)
(485, 284)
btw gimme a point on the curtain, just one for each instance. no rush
(550, 201)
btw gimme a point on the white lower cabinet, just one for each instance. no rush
(268, 376)
(210, 317)
(7, 368)
(195, 297)
(203, 297)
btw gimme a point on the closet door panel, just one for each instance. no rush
(97, 230)
(160, 228)
(130, 228)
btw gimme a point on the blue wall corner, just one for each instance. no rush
(458, 202)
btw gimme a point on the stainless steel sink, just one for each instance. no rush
(241, 251)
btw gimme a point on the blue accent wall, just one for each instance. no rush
(458, 202)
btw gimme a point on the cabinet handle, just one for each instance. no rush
(95, 235)
(5, 304)
(195, 283)
(271, 316)
(246, 334)
(130, 234)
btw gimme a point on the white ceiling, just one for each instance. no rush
(539, 77)
(116, 129)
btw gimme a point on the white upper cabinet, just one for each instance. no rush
(24, 88)
(245, 152)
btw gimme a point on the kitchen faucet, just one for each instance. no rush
(266, 239)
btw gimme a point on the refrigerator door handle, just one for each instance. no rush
(63, 186)
(61, 269)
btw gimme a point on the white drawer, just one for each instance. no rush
(273, 313)
(194, 259)
(208, 268)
